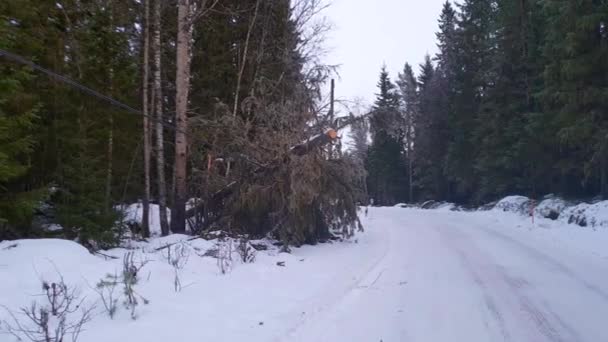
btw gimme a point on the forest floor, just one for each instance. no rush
(413, 275)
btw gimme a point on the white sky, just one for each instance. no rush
(368, 34)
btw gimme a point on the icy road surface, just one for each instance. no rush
(442, 276)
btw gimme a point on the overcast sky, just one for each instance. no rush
(368, 34)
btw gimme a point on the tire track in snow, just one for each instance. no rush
(538, 316)
(499, 278)
(318, 311)
(542, 318)
(537, 255)
(489, 302)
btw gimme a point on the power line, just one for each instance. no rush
(83, 88)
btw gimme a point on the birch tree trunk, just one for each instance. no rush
(145, 224)
(182, 85)
(160, 149)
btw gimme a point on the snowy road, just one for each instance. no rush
(441, 276)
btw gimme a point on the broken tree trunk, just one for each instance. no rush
(315, 142)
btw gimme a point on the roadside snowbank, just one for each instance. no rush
(235, 306)
(514, 204)
(587, 215)
(570, 237)
(593, 215)
(551, 207)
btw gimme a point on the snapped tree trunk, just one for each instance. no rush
(145, 224)
(182, 85)
(315, 142)
(160, 149)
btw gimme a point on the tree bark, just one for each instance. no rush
(145, 224)
(182, 85)
(160, 149)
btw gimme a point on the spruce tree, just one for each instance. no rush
(446, 42)
(471, 78)
(576, 53)
(434, 182)
(504, 161)
(408, 87)
(386, 165)
(428, 142)
(18, 122)
(360, 147)
(90, 168)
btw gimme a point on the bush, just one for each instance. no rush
(61, 315)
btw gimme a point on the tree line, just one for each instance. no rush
(222, 93)
(514, 102)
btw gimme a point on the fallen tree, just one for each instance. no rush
(299, 150)
(302, 188)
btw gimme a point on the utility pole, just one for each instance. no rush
(331, 112)
(331, 99)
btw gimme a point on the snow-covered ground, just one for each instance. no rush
(414, 275)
